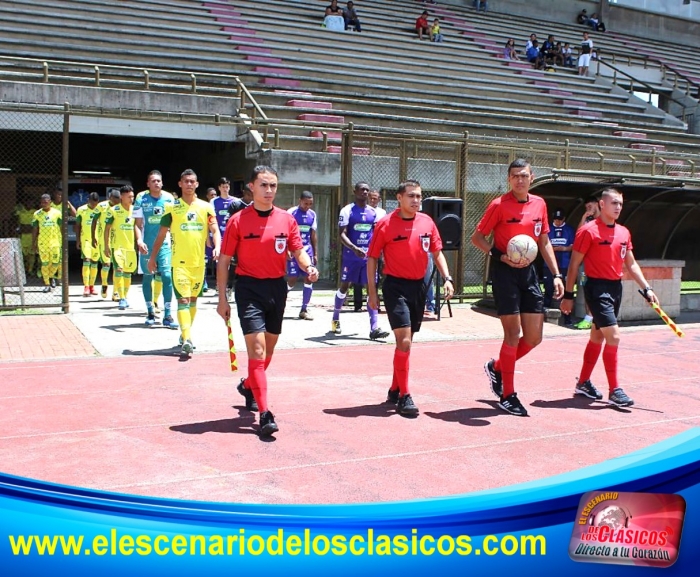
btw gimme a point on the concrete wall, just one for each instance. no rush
(625, 19)
(115, 99)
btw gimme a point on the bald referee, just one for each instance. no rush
(405, 237)
(259, 237)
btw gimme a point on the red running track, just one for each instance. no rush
(154, 426)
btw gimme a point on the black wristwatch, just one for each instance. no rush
(448, 279)
(559, 276)
(648, 289)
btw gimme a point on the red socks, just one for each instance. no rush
(523, 349)
(590, 358)
(401, 371)
(610, 362)
(507, 368)
(257, 382)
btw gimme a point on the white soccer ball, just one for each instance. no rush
(522, 248)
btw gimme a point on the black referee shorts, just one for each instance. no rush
(404, 300)
(515, 290)
(603, 298)
(260, 304)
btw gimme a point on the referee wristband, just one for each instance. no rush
(495, 253)
(569, 295)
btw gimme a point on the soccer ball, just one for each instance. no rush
(522, 248)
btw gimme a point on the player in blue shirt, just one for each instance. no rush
(561, 236)
(149, 208)
(356, 225)
(306, 219)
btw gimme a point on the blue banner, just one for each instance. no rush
(525, 529)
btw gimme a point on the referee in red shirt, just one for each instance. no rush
(603, 246)
(516, 288)
(405, 236)
(259, 237)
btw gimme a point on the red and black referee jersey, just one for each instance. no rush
(405, 243)
(604, 248)
(260, 241)
(507, 217)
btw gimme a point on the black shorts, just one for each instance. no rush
(404, 301)
(260, 304)
(603, 298)
(515, 290)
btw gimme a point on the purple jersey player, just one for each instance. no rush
(356, 225)
(306, 219)
(222, 204)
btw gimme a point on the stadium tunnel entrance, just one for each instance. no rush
(131, 158)
(663, 215)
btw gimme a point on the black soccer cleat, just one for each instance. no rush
(267, 424)
(494, 378)
(250, 402)
(393, 396)
(587, 389)
(406, 406)
(377, 334)
(511, 404)
(620, 399)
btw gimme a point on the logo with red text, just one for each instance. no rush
(642, 529)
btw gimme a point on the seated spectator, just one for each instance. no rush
(596, 23)
(509, 52)
(422, 25)
(350, 17)
(566, 53)
(582, 17)
(528, 45)
(533, 53)
(480, 4)
(558, 57)
(435, 34)
(334, 17)
(548, 51)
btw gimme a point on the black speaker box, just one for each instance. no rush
(447, 214)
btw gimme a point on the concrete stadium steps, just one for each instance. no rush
(383, 76)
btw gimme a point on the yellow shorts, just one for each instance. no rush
(188, 281)
(89, 252)
(100, 250)
(49, 255)
(26, 241)
(124, 259)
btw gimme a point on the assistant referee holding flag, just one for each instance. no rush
(259, 237)
(405, 236)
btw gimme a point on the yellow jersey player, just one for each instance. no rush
(47, 240)
(189, 221)
(98, 240)
(122, 236)
(83, 234)
(25, 218)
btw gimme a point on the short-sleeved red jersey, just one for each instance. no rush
(260, 243)
(507, 217)
(406, 244)
(604, 248)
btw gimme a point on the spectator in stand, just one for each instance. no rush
(351, 19)
(509, 52)
(547, 52)
(558, 54)
(334, 17)
(435, 34)
(480, 5)
(582, 17)
(422, 25)
(533, 53)
(596, 23)
(528, 45)
(566, 53)
(584, 59)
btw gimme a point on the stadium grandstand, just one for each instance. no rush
(120, 87)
